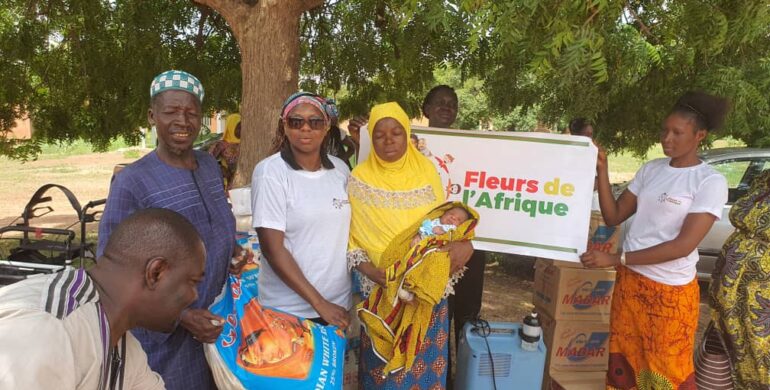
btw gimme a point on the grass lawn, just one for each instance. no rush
(80, 147)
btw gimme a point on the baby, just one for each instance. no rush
(448, 221)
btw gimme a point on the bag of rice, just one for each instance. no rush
(264, 348)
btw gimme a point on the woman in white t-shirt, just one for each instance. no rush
(675, 201)
(302, 217)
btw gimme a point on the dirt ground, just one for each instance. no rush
(508, 281)
(87, 176)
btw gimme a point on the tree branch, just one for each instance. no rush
(642, 26)
(199, 38)
(590, 18)
(228, 9)
(215, 4)
(307, 5)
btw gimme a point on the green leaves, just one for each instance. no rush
(81, 68)
(624, 63)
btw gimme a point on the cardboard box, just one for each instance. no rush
(560, 263)
(567, 264)
(573, 294)
(559, 380)
(576, 345)
(602, 237)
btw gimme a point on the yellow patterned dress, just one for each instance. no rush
(740, 291)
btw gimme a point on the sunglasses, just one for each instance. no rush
(296, 122)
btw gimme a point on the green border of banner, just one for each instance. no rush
(481, 134)
(490, 135)
(526, 244)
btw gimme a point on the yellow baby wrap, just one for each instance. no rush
(397, 328)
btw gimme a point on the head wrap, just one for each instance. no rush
(230, 124)
(304, 97)
(331, 110)
(178, 80)
(387, 197)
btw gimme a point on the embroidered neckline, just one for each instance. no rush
(377, 197)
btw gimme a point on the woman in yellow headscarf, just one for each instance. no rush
(391, 190)
(227, 150)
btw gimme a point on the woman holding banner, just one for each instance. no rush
(675, 201)
(394, 187)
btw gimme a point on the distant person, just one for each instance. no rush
(178, 178)
(69, 330)
(675, 201)
(581, 126)
(440, 106)
(228, 149)
(339, 144)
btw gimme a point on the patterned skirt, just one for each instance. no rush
(429, 370)
(652, 334)
(740, 299)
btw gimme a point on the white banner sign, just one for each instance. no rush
(532, 191)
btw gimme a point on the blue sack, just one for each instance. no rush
(265, 348)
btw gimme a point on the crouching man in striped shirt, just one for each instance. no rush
(69, 330)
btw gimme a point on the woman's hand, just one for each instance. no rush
(333, 314)
(597, 259)
(601, 159)
(374, 274)
(460, 253)
(204, 326)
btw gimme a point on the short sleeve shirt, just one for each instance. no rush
(313, 211)
(665, 196)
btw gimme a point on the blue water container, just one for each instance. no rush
(514, 368)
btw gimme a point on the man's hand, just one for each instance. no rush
(354, 128)
(333, 314)
(460, 253)
(597, 259)
(204, 326)
(240, 259)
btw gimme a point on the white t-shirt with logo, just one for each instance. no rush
(313, 211)
(664, 197)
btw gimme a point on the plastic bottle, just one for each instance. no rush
(530, 332)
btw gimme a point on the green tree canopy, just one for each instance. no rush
(624, 63)
(81, 68)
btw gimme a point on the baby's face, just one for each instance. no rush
(455, 216)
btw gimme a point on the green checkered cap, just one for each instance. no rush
(179, 80)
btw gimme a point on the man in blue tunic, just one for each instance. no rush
(176, 177)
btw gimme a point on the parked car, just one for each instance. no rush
(740, 166)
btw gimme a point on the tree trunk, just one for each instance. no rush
(268, 36)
